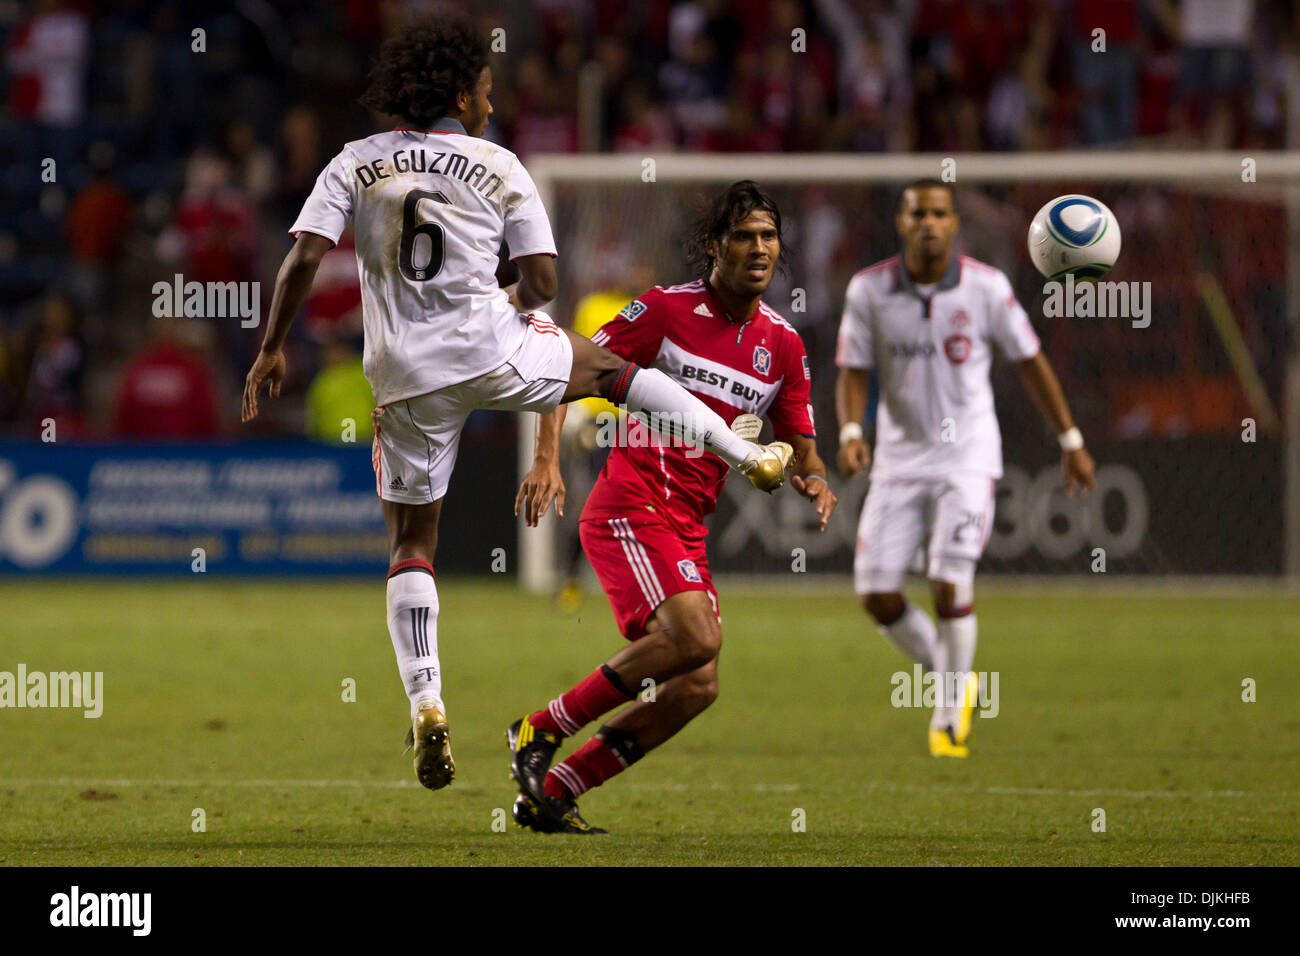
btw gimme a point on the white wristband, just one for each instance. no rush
(850, 432)
(1071, 440)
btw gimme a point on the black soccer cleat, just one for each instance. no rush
(531, 753)
(530, 816)
(555, 815)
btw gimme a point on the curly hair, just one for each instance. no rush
(420, 71)
(721, 213)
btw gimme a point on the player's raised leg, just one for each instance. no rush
(598, 372)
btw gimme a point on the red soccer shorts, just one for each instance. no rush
(641, 561)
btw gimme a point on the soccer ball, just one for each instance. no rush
(1074, 235)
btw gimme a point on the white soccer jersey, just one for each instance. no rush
(932, 358)
(430, 210)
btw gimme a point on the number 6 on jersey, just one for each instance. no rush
(411, 230)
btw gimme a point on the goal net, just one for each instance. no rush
(1186, 408)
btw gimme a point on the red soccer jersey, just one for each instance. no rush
(756, 365)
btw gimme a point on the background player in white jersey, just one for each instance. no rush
(927, 322)
(431, 203)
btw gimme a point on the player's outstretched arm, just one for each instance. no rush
(543, 483)
(809, 478)
(1045, 389)
(291, 287)
(851, 390)
(537, 283)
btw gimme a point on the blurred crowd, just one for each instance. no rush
(140, 140)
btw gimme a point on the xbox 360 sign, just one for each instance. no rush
(1158, 508)
(1034, 514)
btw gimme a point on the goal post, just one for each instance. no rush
(1163, 395)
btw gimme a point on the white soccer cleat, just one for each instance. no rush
(766, 465)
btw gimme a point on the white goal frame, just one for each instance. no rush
(537, 570)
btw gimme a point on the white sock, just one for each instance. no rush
(413, 626)
(956, 635)
(939, 665)
(913, 633)
(652, 391)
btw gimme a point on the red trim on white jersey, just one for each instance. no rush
(982, 266)
(412, 129)
(544, 326)
(876, 267)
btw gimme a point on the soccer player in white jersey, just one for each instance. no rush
(928, 321)
(431, 203)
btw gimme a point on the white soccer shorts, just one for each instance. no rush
(951, 516)
(416, 439)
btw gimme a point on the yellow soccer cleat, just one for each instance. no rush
(569, 599)
(766, 467)
(431, 738)
(970, 701)
(942, 744)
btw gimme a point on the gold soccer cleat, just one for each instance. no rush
(766, 467)
(942, 744)
(431, 738)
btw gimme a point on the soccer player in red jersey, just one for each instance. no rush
(643, 524)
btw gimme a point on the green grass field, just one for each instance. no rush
(227, 697)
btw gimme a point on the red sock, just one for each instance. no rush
(589, 766)
(598, 692)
